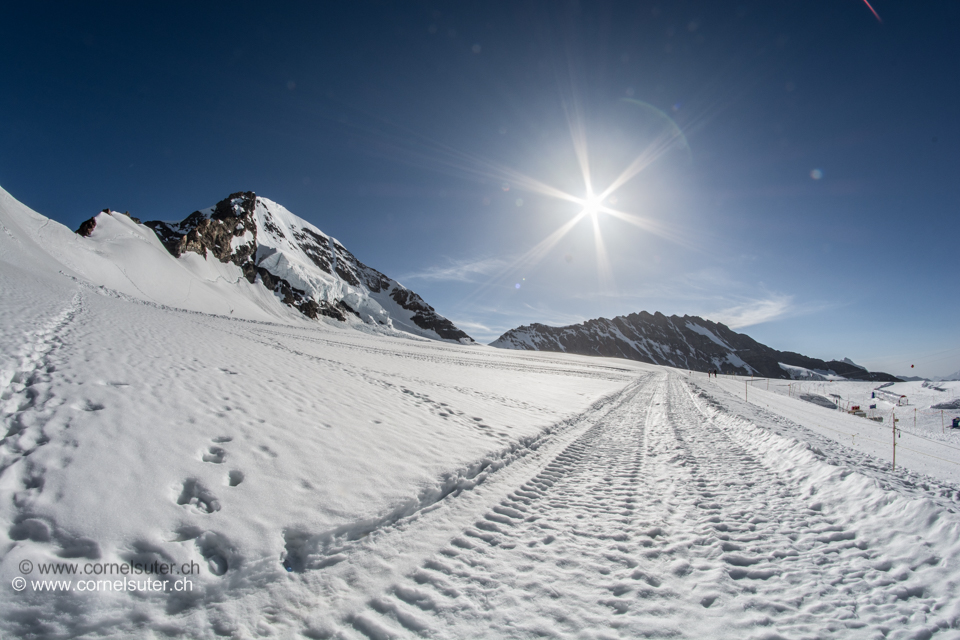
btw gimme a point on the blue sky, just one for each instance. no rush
(803, 189)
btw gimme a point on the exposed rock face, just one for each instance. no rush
(304, 267)
(87, 227)
(214, 231)
(424, 316)
(689, 342)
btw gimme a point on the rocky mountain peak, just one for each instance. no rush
(304, 267)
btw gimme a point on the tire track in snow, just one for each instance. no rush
(831, 451)
(570, 532)
(662, 520)
(306, 551)
(763, 552)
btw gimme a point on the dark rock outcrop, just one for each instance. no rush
(87, 227)
(231, 218)
(424, 315)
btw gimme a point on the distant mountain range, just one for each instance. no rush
(687, 342)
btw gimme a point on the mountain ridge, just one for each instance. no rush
(686, 342)
(306, 269)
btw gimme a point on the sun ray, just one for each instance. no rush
(445, 159)
(579, 137)
(531, 258)
(416, 149)
(419, 150)
(604, 271)
(650, 155)
(652, 226)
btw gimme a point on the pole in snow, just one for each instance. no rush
(893, 415)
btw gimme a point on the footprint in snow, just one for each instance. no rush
(198, 496)
(89, 405)
(214, 455)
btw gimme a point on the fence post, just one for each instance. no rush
(893, 415)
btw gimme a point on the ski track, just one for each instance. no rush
(658, 521)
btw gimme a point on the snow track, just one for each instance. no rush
(558, 533)
(23, 388)
(670, 518)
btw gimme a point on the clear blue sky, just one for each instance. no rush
(808, 195)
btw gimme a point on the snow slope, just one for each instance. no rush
(333, 483)
(127, 257)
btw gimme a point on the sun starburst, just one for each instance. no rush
(591, 205)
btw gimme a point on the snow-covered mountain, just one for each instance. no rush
(261, 242)
(851, 362)
(687, 342)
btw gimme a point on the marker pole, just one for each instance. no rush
(893, 414)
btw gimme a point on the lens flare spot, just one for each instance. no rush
(816, 174)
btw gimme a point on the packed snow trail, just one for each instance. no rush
(664, 520)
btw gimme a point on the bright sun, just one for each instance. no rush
(592, 204)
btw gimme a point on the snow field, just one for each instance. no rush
(142, 433)
(925, 448)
